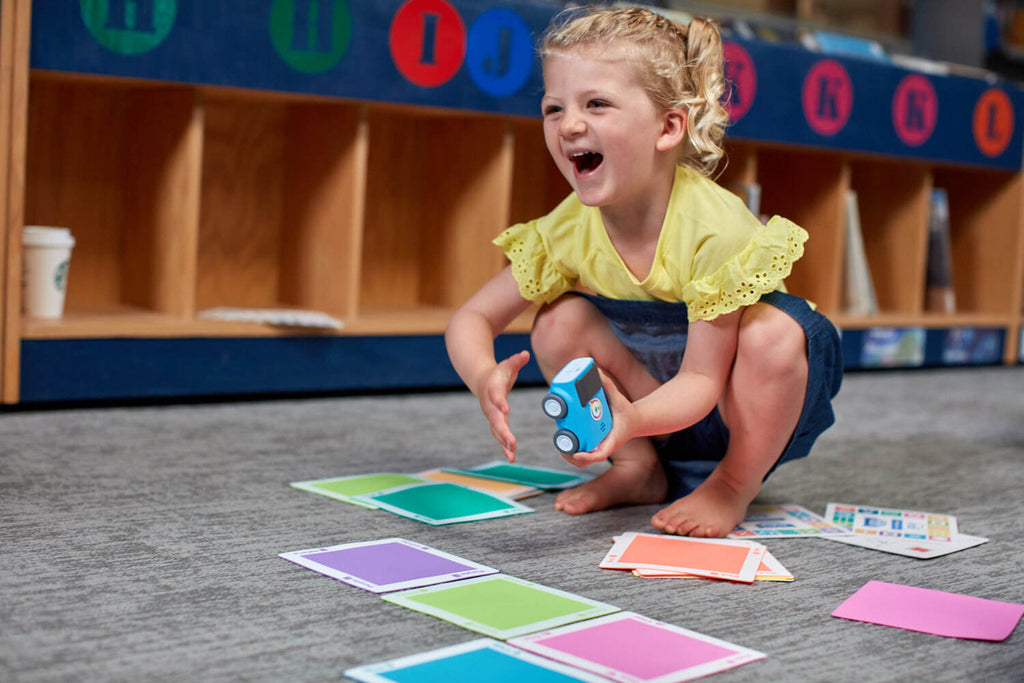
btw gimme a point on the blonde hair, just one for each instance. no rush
(680, 67)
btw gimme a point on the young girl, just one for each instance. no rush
(648, 257)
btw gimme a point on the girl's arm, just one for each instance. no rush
(470, 341)
(682, 401)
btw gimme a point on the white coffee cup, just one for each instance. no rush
(46, 257)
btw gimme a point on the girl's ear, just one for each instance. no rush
(674, 129)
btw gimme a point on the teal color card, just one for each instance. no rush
(501, 606)
(347, 488)
(443, 503)
(540, 477)
(472, 662)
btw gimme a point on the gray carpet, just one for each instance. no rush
(140, 543)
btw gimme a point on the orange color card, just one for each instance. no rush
(713, 558)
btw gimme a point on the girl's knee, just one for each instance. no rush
(558, 329)
(772, 341)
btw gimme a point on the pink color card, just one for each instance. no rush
(930, 611)
(631, 648)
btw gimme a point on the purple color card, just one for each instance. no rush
(632, 648)
(930, 611)
(390, 564)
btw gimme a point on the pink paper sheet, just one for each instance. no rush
(931, 611)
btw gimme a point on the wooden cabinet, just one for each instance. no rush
(190, 186)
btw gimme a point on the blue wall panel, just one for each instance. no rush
(111, 369)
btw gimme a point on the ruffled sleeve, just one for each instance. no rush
(756, 270)
(536, 273)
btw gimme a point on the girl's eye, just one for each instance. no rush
(551, 109)
(597, 104)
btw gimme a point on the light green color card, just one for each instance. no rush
(347, 488)
(501, 606)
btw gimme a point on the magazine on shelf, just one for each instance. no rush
(859, 296)
(940, 295)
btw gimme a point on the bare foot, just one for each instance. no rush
(712, 510)
(625, 482)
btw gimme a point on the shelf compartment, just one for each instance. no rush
(118, 165)
(809, 189)
(437, 192)
(986, 253)
(892, 200)
(537, 184)
(281, 204)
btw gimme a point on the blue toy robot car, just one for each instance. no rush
(578, 405)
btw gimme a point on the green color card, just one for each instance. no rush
(531, 475)
(501, 606)
(444, 503)
(347, 488)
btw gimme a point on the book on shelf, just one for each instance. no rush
(940, 297)
(859, 297)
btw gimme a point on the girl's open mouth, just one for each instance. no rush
(585, 162)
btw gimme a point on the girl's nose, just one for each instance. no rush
(572, 126)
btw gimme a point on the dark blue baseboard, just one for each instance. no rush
(76, 370)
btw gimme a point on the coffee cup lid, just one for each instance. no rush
(46, 236)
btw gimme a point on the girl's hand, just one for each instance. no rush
(493, 397)
(623, 420)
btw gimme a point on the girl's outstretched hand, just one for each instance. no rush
(623, 421)
(493, 397)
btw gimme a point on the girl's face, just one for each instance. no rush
(605, 134)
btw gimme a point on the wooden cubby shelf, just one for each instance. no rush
(192, 182)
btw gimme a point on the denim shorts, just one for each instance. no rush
(655, 332)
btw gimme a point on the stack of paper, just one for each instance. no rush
(657, 555)
(923, 535)
(446, 496)
(431, 502)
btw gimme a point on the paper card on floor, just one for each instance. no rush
(347, 488)
(911, 525)
(770, 569)
(531, 475)
(440, 503)
(478, 660)
(922, 550)
(631, 648)
(718, 558)
(500, 606)
(784, 521)
(389, 564)
(930, 611)
(502, 488)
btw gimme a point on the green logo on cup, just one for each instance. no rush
(310, 35)
(60, 276)
(129, 27)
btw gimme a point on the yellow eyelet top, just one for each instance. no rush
(712, 253)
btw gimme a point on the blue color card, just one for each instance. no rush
(478, 660)
(389, 564)
(531, 475)
(439, 503)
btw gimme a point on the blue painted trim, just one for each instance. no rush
(69, 370)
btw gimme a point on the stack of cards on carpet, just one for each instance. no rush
(446, 496)
(912, 533)
(657, 555)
